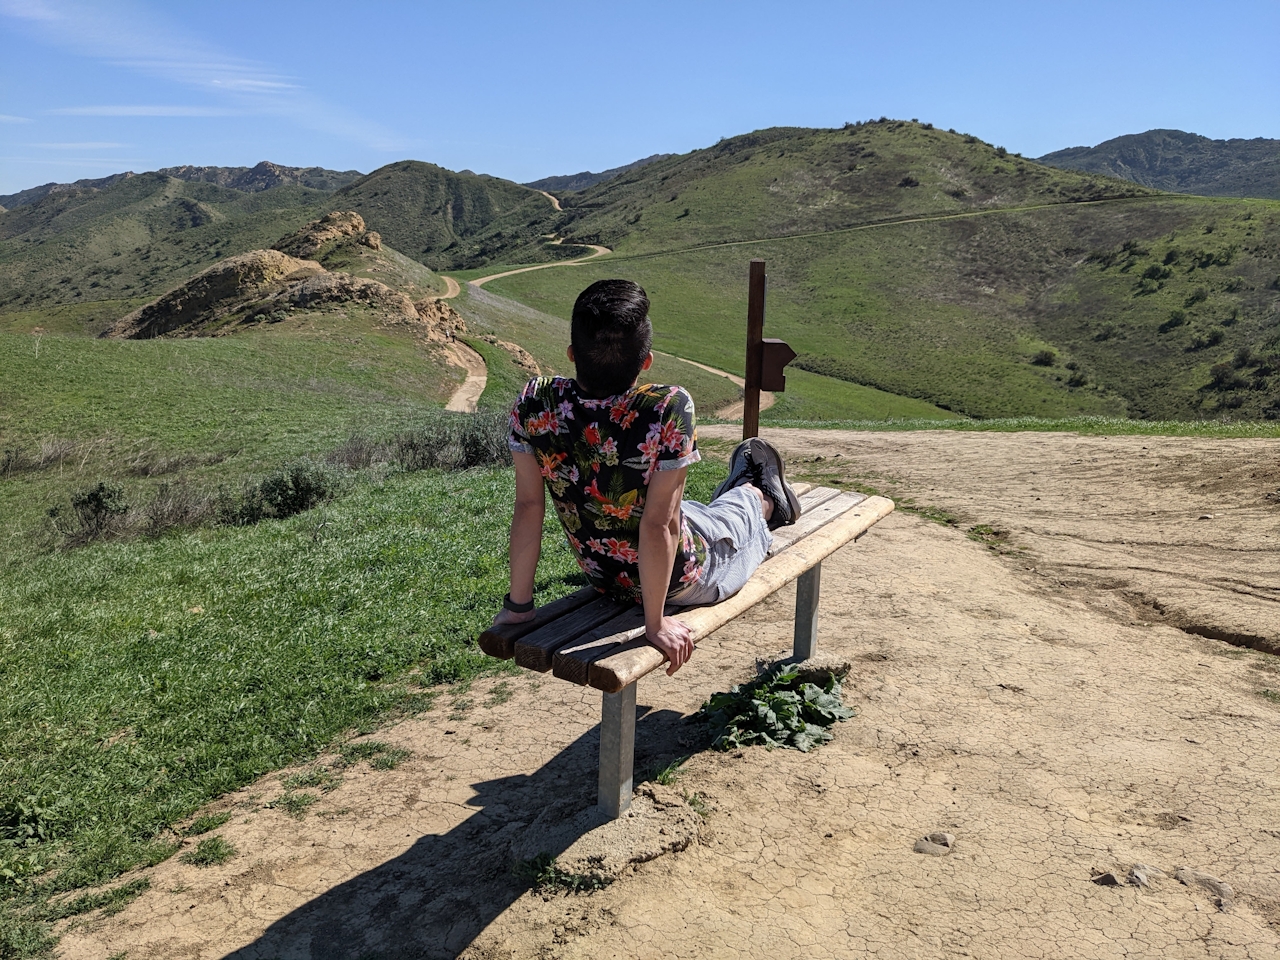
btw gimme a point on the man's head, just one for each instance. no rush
(610, 336)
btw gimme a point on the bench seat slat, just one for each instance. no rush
(534, 650)
(574, 661)
(812, 519)
(500, 640)
(635, 659)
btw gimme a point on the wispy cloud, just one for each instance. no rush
(88, 145)
(144, 110)
(5, 118)
(137, 37)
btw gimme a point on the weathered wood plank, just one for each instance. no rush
(573, 661)
(500, 640)
(533, 651)
(812, 519)
(629, 664)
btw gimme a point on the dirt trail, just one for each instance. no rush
(732, 411)
(554, 202)
(1015, 700)
(466, 398)
(596, 251)
(451, 288)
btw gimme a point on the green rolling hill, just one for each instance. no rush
(1182, 162)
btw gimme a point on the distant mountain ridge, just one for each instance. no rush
(263, 176)
(581, 181)
(1180, 162)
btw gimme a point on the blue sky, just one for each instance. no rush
(525, 90)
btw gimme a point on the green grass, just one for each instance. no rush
(1088, 426)
(205, 823)
(209, 852)
(208, 410)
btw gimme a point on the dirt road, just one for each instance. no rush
(1025, 700)
(596, 251)
(732, 411)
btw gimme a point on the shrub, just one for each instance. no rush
(1156, 272)
(779, 709)
(1202, 341)
(453, 443)
(1198, 295)
(285, 492)
(1223, 376)
(1243, 358)
(908, 181)
(96, 512)
(1077, 379)
(1176, 319)
(1045, 358)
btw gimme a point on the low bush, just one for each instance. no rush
(778, 709)
(96, 512)
(1045, 358)
(284, 492)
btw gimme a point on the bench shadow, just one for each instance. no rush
(433, 900)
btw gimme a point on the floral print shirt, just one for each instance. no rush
(597, 456)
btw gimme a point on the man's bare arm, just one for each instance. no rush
(659, 540)
(526, 535)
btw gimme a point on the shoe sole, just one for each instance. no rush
(771, 452)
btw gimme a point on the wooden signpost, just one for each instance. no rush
(765, 357)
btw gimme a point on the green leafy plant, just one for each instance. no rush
(778, 709)
(295, 804)
(210, 821)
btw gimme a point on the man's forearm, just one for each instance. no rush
(657, 555)
(526, 547)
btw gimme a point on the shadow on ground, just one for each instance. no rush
(434, 899)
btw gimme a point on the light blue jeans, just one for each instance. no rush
(738, 539)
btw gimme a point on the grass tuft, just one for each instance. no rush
(209, 852)
(209, 821)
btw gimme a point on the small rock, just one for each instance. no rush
(1205, 516)
(1108, 879)
(935, 844)
(1197, 878)
(1141, 874)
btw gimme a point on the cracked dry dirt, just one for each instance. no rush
(1040, 705)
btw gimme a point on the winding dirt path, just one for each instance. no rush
(733, 411)
(596, 251)
(466, 399)
(554, 202)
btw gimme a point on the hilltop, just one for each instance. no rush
(1180, 162)
(580, 181)
(264, 176)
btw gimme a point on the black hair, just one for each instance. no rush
(611, 336)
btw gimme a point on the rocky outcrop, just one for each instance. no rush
(227, 285)
(265, 286)
(338, 225)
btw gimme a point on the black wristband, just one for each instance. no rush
(509, 604)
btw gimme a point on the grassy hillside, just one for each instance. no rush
(134, 240)
(1000, 313)
(1182, 162)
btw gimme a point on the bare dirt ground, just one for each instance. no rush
(1042, 705)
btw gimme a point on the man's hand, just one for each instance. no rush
(510, 616)
(674, 638)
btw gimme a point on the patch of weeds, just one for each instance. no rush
(295, 804)
(326, 780)
(22, 937)
(209, 852)
(666, 775)
(210, 821)
(122, 955)
(1272, 695)
(544, 875)
(499, 695)
(110, 902)
(990, 536)
(371, 750)
(389, 759)
(697, 804)
(777, 709)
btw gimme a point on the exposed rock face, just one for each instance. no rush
(372, 239)
(338, 225)
(262, 285)
(441, 317)
(217, 291)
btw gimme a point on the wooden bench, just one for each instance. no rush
(592, 641)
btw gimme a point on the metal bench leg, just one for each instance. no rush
(617, 750)
(807, 591)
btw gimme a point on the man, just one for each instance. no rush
(613, 456)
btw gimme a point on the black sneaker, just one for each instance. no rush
(770, 478)
(741, 470)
